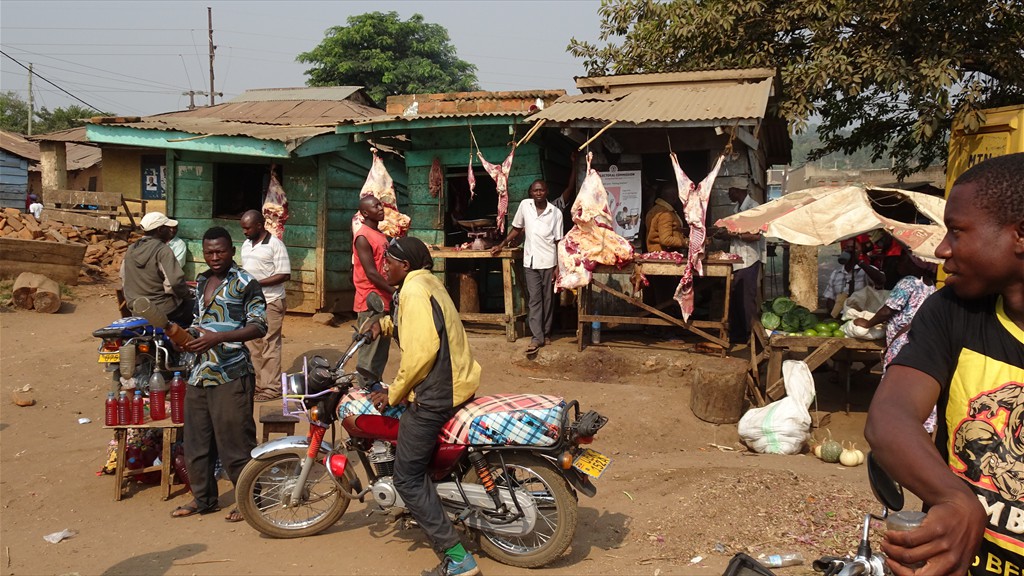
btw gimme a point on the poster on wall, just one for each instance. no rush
(624, 200)
(153, 178)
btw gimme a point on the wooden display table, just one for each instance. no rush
(121, 434)
(819, 349)
(514, 317)
(712, 269)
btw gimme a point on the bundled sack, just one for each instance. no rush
(853, 331)
(783, 426)
(867, 299)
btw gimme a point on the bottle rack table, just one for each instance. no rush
(170, 432)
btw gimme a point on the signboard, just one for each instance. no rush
(624, 200)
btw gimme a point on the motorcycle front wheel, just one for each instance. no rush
(557, 512)
(264, 494)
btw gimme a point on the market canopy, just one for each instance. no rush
(824, 215)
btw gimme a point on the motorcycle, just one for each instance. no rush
(507, 467)
(131, 350)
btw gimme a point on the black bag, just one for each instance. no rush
(743, 565)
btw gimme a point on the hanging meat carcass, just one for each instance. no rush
(380, 185)
(592, 240)
(471, 178)
(275, 207)
(436, 180)
(695, 205)
(499, 173)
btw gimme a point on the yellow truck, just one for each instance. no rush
(1001, 133)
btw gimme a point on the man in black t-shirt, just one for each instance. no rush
(965, 354)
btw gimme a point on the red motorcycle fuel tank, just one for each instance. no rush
(372, 426)
(445, 458)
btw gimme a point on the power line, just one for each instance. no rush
(94, 68)
(51, 83)
(98, 76)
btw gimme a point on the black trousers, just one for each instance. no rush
(184, 314)
(417, 438)
(743, 305)
(540, 286)
(218, 423)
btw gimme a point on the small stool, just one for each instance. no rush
(275, 422)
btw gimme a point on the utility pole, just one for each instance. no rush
(31, 102)
(192, 97)
(209, 19)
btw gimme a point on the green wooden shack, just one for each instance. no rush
(217, 163)
(441, 134)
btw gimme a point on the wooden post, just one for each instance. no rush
(803, 275)
(718, 390)
(469, 293)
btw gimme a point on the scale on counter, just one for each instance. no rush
(483, 231)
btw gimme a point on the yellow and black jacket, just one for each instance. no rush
(437, 369)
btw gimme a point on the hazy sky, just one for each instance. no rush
(137, 57)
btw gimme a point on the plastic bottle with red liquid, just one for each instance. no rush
(178, 398)
(157, 396)
(110, 416)
(138, 408)
(123, 411)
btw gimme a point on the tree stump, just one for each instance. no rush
(718, 390)
(469, 293)
(35, 291)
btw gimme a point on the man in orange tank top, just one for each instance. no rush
(368, 247)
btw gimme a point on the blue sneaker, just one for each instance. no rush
(449, 567)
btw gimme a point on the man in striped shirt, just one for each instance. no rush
(230, 310)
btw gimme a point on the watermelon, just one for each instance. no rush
(782, 305)
(770, 320)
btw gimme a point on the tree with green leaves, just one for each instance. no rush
(14, 116)
(13, 112)
(887, 75)
(389, 56)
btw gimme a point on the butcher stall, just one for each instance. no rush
(469, 160)
(703, 132)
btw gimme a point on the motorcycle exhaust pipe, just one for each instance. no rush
(127, 365)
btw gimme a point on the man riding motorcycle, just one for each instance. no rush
(150, 270)
(437, 376)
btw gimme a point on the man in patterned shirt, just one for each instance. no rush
(230, 310)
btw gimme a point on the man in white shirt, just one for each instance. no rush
(851, 276)
(540, 224)
(178, 246)
(265, 257)
(746, 273)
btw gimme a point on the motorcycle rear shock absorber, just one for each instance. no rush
(483, 471)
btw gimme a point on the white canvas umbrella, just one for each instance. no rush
(824, 215)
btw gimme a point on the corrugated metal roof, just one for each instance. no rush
(299, 93)
(79, 156)
(17, 144)
(289, 121)
(415, 117)
(681, 102)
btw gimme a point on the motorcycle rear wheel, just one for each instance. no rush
(266, 484)
(557, 512)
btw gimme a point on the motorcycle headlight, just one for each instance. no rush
(295, 385)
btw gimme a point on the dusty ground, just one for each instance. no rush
(669, 497)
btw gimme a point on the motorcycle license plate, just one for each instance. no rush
(591, 463)
(110, 357)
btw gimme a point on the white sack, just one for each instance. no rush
(783, 426)
(853, 331)
(867, 299)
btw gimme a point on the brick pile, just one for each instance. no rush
(104, 249)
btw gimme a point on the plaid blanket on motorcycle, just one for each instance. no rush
(507, 420)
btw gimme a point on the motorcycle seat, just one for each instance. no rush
(507, 420)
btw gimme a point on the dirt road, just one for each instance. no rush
(669, 497)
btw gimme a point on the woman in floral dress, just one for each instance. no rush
(917, 284)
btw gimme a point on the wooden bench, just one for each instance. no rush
(98, 210)
(275, 422)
